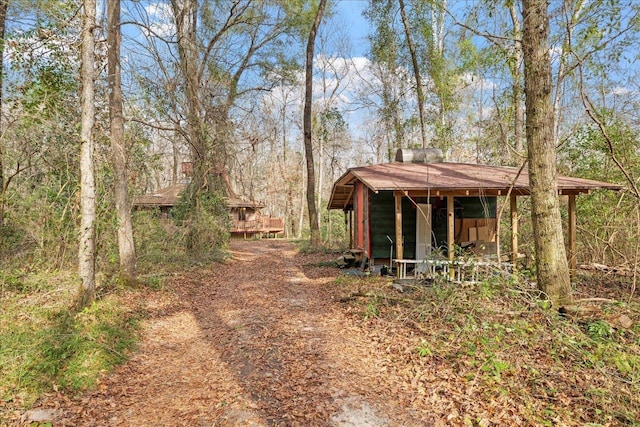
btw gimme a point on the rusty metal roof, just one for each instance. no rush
(442, 179)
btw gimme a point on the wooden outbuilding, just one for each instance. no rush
(162, 200)
(246, 217)
(406, 210)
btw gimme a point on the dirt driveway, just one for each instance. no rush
(262, 340)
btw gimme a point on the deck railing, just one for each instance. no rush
(260, 225)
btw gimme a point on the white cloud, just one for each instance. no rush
(160, 20)
(620, 91)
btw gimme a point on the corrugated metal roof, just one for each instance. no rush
(446, 179)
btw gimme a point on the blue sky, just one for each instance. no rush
(350, 12)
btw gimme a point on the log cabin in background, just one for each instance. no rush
(246, 217)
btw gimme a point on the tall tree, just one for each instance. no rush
(126, 246)
(308, 145)
(385, 51)
(439, 65)
(186, 20)
(4, 5)
(515, 66)
(87, 247)
(218, 43)
(551, 260)
(416, 73)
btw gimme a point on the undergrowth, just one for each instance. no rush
(502, 355)
(161, 243)
(46, 346)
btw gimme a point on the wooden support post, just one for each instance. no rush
(399, 245)
(349, 223)
(572, 236)
(451, 233)
(450, 228)
(514, 229)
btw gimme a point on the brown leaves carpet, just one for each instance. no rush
(259, 341)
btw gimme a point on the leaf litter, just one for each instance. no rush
(274, 337)
(260, 340)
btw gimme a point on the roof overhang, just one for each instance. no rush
(448, 179)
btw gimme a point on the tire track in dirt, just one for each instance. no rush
(257, 341)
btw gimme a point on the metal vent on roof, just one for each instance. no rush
(419, 155)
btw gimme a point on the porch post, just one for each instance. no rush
(572, 236)
(399, 246)
(348, 221)
(451, 236)
(514, 229)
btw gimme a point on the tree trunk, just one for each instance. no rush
(308, 146)
(551, 260)
(416, 74)
(126, 246)
(4, 5)
(87, 249)
(185, 14)
(516, 73)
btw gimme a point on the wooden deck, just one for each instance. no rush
(265, 225)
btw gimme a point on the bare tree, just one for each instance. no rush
(308, 146)
(551, 260)
(416, 74)
(515, 68)
(126, 246)
(87, 247)
(4, 5)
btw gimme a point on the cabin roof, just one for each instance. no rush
(440, 179)
(241, 203)
(168, 196)
(164, 197)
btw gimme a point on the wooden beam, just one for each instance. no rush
(348, 219)
(346, 202)
(367, 223)
(572, 236)
(464, 193)
(451, 224)
(514, 229)
(450, 227)
(574, 191)
(399, 247)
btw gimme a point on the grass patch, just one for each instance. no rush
(493, 345)
(45, 346)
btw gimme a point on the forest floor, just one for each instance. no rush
(275, 337)
(259, 340)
